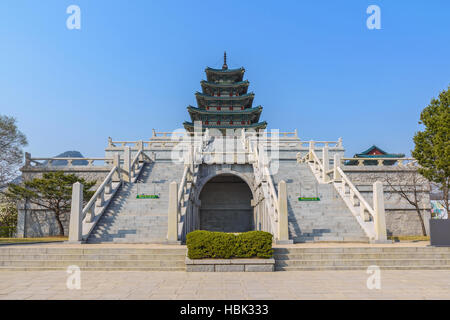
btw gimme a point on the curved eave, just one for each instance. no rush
(257, 109)
(203, 96)
(259, 125)
(375, 156)
(224, 71)
(206, 84)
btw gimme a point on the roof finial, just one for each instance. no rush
(225, 67)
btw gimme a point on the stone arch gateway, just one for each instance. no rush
(226, 204)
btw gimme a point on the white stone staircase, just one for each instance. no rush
(131, 220)
(312, 221)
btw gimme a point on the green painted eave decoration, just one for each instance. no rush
(257, 109)
(365, 154)
(212, 70)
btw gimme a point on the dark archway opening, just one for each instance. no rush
(226, 205)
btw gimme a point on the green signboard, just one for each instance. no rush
(308, 199)
(147, 196)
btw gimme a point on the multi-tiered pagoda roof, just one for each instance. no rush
(225, 102)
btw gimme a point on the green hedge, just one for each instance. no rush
(219, 245)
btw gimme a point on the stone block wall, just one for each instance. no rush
(35, 221)
(401, 217)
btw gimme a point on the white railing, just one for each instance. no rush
(400, 162)
(270, 214)
(43, 162)
(137, 164)
(185, 219)
(145, 144)
(224, 157)
(371, 218)
(320, 168)
(98, 203)
(177, 134)
(361, 209)
(321, 144)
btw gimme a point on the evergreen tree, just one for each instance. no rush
(432, 146)
(53, 192)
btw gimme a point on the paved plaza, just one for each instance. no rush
(409, 284)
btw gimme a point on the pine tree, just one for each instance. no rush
(53, 192)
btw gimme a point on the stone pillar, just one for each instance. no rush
(27, 159)
(311, 145)
(76, 213)
(21, 230)
(378, 207)
(116, 162)
(283, 227)
(127, 164)
(326, 164)
(337, 164)
(172, 229)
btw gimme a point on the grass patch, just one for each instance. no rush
(409, 238)
(28, 240)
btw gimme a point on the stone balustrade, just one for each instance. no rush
(83, 220)
(371, 218)
(89, 162)
(400, 162)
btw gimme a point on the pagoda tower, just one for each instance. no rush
(224, 102)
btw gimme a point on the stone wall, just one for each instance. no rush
(35, 221)
(401, 217)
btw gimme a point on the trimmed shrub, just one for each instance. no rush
(220, 245)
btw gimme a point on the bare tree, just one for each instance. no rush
(410, 186)
(11, 143)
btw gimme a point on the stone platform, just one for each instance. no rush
(154, 257)
(230, 265)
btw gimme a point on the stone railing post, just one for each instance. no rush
(116, 162)
(337, 164)
(27, 159)
(311, 145)
(76, 213)
(127, 164)
(140, 145)
(378, 208)
(172, 228)
(283, 227)
(326, 164)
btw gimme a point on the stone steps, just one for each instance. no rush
(131, 220)
(104, 268)
(316, 221)
(94, 259)
(337, 268)
(360, 258)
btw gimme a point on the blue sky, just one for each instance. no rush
(135, 65)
